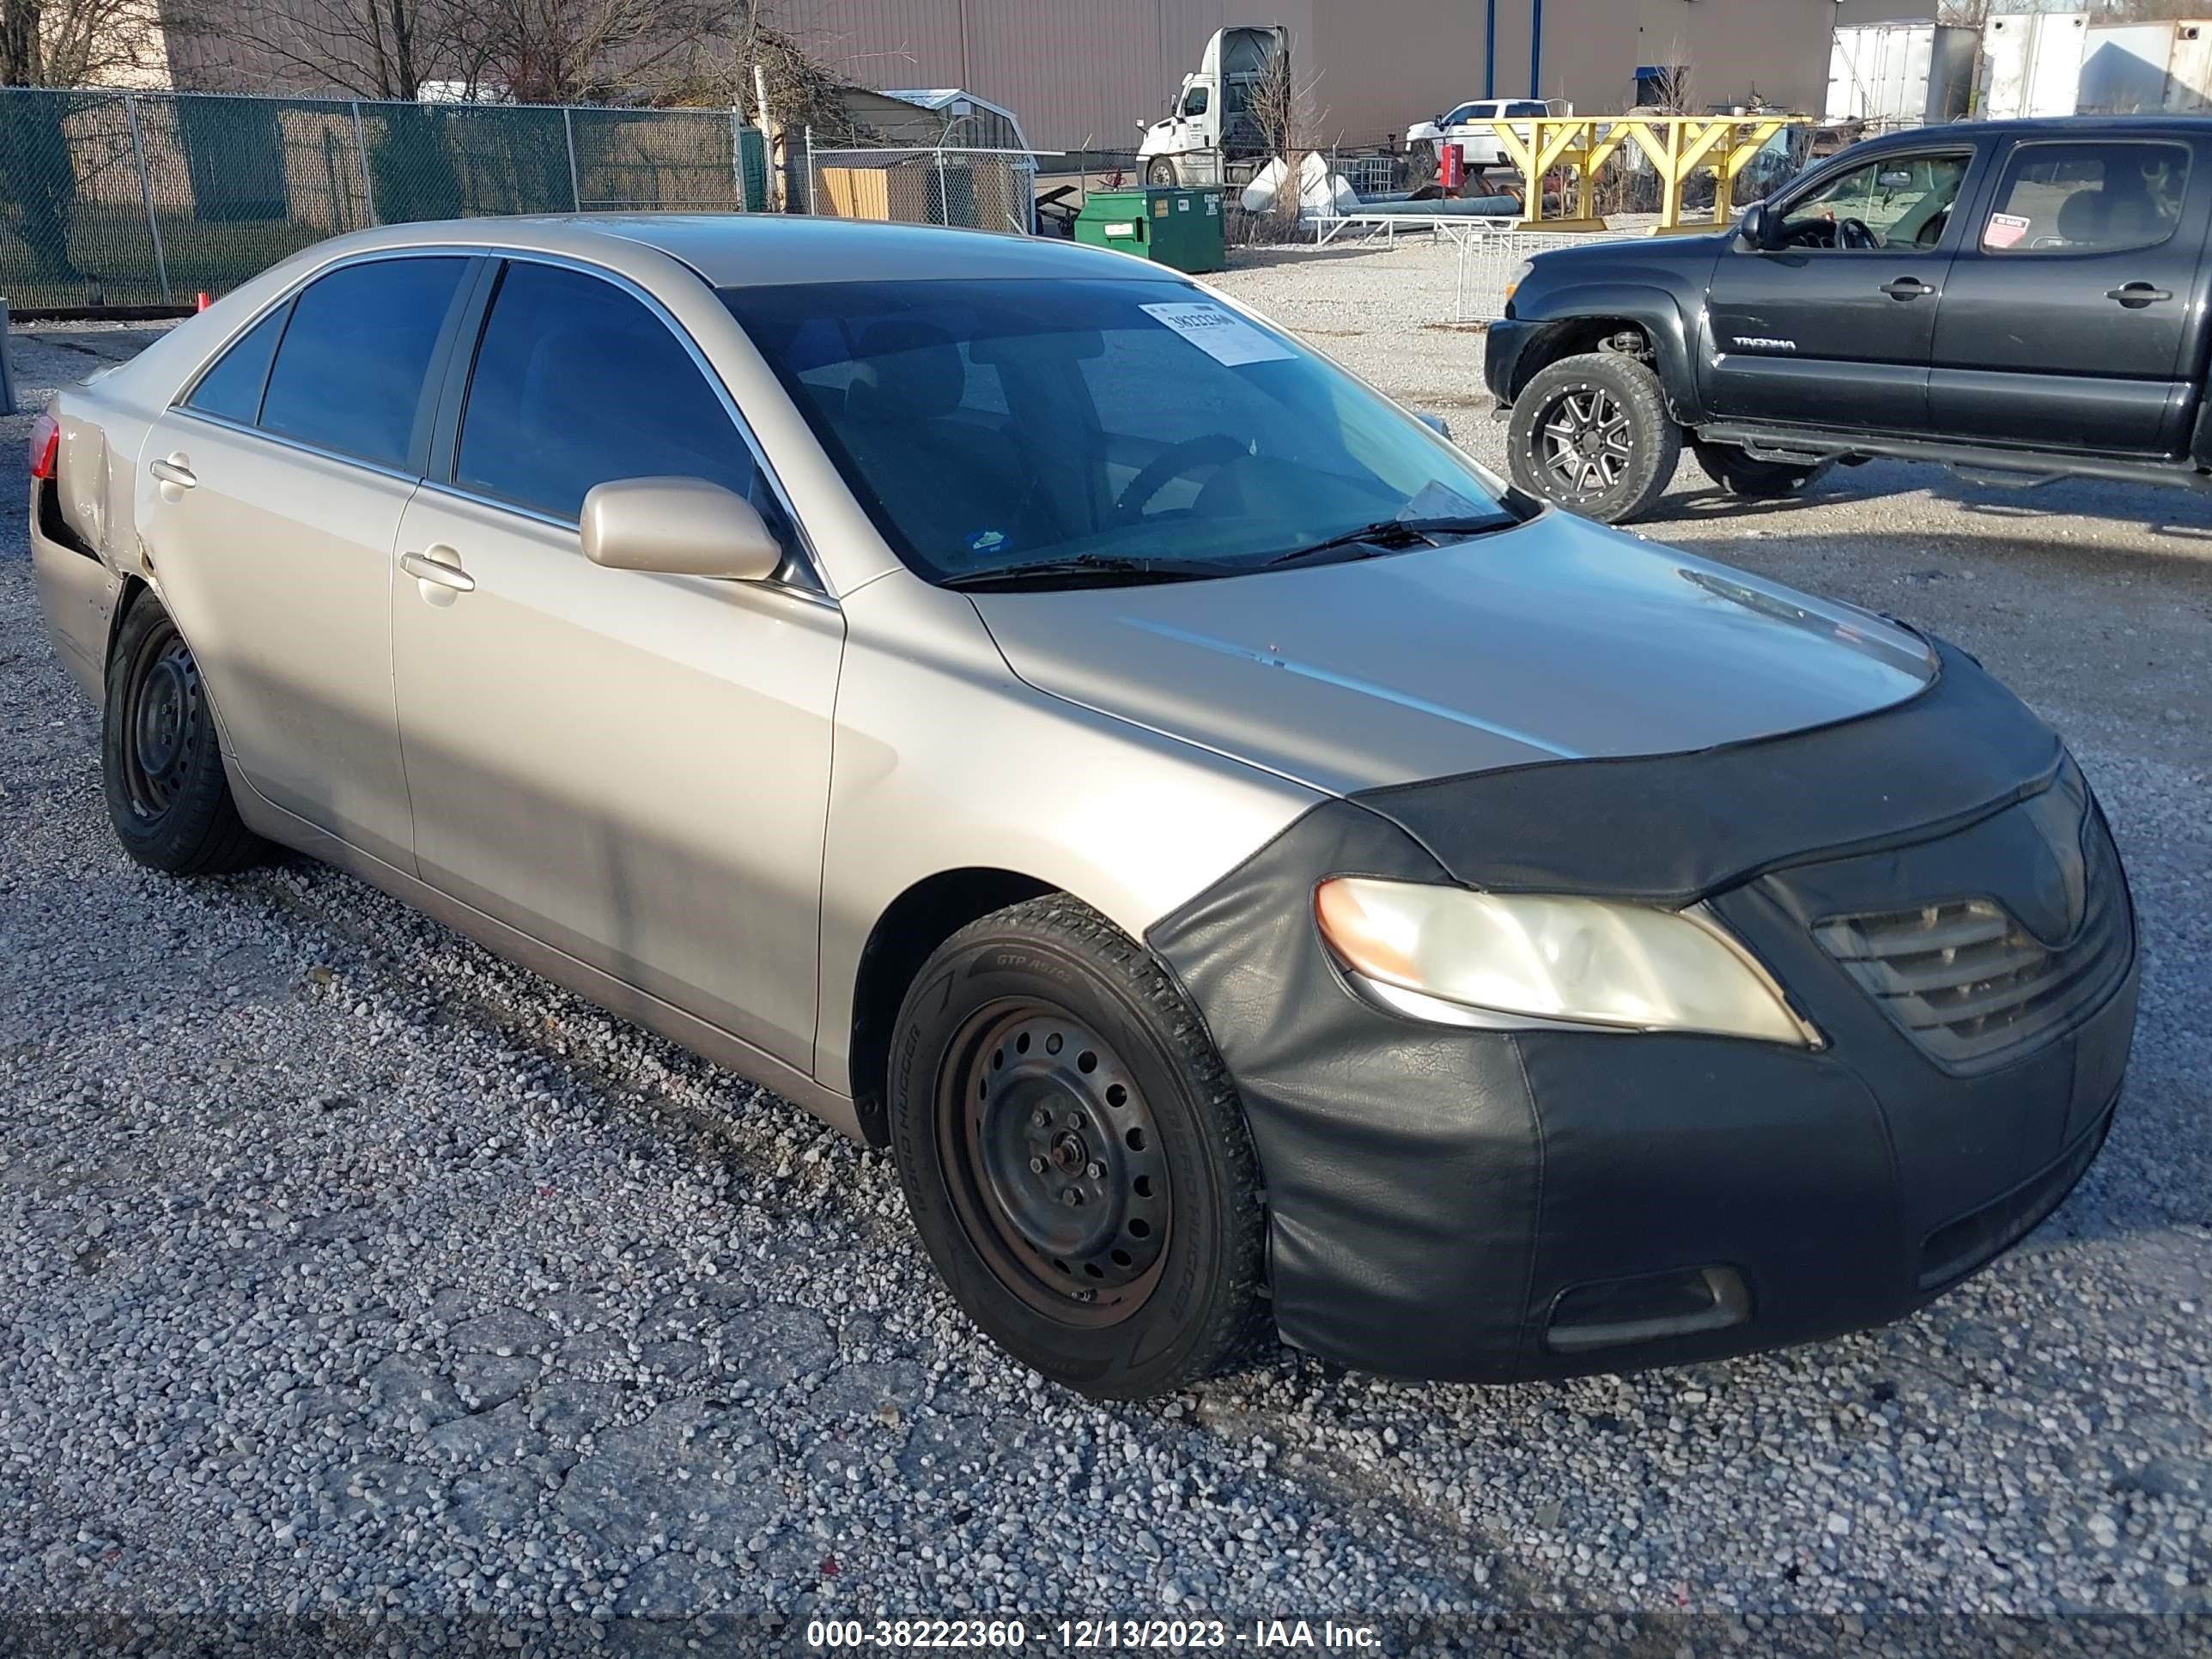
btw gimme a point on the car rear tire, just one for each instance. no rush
(1161, 173)
(1592, 434)
(1739, 474)
(160, 759)
(1075, 1156)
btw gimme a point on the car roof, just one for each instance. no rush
(2065, 126)
(757, 250)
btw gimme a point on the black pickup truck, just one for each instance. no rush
(2022, 300)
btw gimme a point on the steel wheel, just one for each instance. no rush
(163, 709)
(1584, 441)
(1055, 1164)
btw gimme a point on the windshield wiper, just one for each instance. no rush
(1387, 535)
(1089, 566)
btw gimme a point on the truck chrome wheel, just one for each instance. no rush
(1584, 441)
(1057, 1170)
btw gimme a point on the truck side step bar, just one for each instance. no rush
(1979, 463)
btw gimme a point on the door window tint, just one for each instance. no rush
(1194, 101)
(1903, 200)
(348, 376)
(577, 384)
(2087, 198)
(232, 388)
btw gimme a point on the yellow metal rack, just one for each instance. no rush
(1677, 146)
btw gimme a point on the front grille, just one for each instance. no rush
(1973, 986)
(1957, 1248)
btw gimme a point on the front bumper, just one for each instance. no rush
(1502, 345)
(1497, 1206)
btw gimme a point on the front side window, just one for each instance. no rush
(577, 384)
(232, 388)
(1895, 201)
(989, 425)
(1196, 101)
(2087, 198)
(1464, 113)
(348, 375)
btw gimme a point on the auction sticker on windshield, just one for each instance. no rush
(1221, 335)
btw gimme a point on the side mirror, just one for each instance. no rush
(1435, 422)
(678, 527)
(1759, 227)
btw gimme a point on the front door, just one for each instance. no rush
(1833, 327)
(2069, 319)
(268, 501)
(632, 769)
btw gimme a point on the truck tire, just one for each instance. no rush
(1739, 474)
(1160, 173)
(1074, 1154)
(160, 756)
(1592, 434)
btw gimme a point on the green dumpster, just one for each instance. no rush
(1177, 228)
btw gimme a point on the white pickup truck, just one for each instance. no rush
(1469, 126)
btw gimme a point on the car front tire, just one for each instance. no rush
(1074, 1154)
(160, 759)
(1592, 433)
(1739, 474)
(1161, 173)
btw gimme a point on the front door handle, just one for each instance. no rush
(2135, 295)
(1906, 288)
(173, 471)
(438, 567)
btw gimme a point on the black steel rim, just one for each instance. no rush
(1583, 441)
(162, 710)
(1053, 1161)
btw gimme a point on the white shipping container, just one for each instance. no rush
(2031, 63)
(2125, 68)
(2189, 72)
(1900, 73)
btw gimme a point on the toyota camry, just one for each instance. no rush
(1259, 875)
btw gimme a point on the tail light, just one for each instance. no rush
(45, 448)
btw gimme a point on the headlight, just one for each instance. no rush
(1522, 272)
(1513, 959)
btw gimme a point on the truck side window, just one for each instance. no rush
(1196, 101)
(2087, 197)
(1896, 202)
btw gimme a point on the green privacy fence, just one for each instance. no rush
(111, 198)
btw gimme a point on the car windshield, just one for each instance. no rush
(1134, 426)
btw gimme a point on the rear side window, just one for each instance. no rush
(577, 384)
(2087, 198)
(348, 376)
(232, 388)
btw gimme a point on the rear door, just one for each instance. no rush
(268, 500)
(2070, 320)
(1835, 327)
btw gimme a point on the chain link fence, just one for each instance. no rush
(113, 200)
(968, 189)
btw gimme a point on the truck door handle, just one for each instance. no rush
(173, 471)
(2135, 295)
(444, 572)
(1906, 288)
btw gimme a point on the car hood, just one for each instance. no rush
(1559, 639)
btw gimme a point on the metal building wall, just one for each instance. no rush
(1078, 73)
(1083, 73)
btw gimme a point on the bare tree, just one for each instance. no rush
(80, 42)
(388, 49)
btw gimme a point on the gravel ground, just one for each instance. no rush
(346, 1269)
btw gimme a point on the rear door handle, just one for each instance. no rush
(1906, 288)
(173, 471)
(439, 572)
(2136, 295)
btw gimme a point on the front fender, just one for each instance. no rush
(1552, 314)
